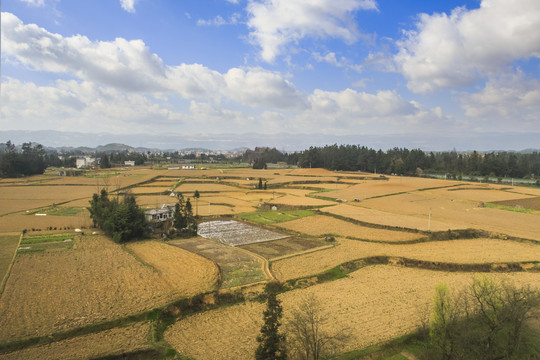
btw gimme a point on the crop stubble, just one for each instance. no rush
(373, 304)
(96, 280)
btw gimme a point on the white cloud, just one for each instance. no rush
(112, 63)
(263, 89)
(467, 45)
(128, 5)
(510, 101)
(130, 66)
(220, 21)
(217, 21)
(36, 3)
(277, 23)
(80, 106)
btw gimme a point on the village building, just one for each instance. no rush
(85, 162)
(129, 162)
(166, 212)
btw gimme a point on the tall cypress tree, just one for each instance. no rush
(271, 342)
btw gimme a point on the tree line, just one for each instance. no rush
(402, 161)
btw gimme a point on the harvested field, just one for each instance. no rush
(116, 341)
(149, 190)
(187, 273)
(300, 201)
(455, 214)
(283, 247)
(530, 203)
(237, 266)
(393, 185)
(235, 233)
(8, 247)
(18, 222)
(320, 225)
(389, 219)
(205, 188)
(366, 302)
(96, 280)
(486, 193)
(472, 251)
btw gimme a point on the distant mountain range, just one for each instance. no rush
(483, 142)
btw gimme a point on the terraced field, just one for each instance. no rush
(403, 222)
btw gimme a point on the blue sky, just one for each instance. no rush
(428, 74)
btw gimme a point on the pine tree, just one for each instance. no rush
(271, 342)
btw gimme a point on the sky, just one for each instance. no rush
(426, 74)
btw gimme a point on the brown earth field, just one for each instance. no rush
(117, 341)
(530, 203)
(96, 280)
(374, 304)
(470, 251)
(283, 247)
(320, 225)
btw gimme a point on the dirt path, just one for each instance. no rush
(265, 265)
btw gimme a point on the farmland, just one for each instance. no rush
(81, 293)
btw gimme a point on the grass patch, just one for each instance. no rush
(508, 208)
(272, 217)
(58, 211)
(237, 275)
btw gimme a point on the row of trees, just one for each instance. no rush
(31, 160)
(487, 321)
(122, 220)
(409, 162)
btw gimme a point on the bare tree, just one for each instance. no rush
(307, 336)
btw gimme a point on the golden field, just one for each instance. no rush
(97, 280)
(112, 342)
(320, 225)
(466, 251)
(366, 303)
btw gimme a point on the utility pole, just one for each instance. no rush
(429, 221)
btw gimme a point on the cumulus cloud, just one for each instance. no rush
(110, 62)
(467, 45)
(509, 99)
(262, 88)
(276, 23)
(128, 5)
(80, 106)
(130, 66)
